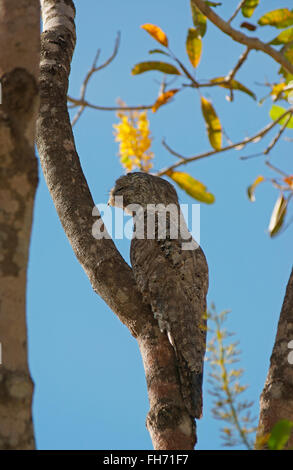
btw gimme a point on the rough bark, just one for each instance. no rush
(168, 422)
(19, 63)
(276, 401)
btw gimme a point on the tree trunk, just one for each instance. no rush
(169, 424)
(19, 61)
(276, 401)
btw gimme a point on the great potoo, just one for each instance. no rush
(171, 272)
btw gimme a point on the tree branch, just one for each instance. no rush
(86, 104)
(93, 70)
(276, 401)
(255, 138)
(239, 64)
(19, 66)
(239, 6)
(226, 81)
(82, 103)
(168, 422)
(238, 36)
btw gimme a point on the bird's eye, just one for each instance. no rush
(118, 190)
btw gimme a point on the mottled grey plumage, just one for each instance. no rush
(173, 281)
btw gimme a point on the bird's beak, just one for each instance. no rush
(114, 200)
(111, 198)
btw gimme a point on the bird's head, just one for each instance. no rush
(141, 189)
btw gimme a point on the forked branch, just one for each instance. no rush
(168, 422)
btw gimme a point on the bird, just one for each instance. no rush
(170, 271)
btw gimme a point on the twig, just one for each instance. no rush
(93, 70)
(227, 137)
(184, 160)
(254, 155)
(184, 69)
(240, 5)
(226, 81)
(233, 72)
(238, 36)
(82, 103)
(77, 115)
(78, 102)
(277, 170)
(240, 62)
(272, 143)
(277, 137)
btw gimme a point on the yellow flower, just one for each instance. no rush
(134, 137)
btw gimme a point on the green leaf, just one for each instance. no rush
(213, 124)
(278, 215)
(155, 65)
(199, 20)
(235, 85)
(276, 112)
(280, 434)
(158, 51)
(191, 186)
(249, 7)
(287, 50)
(284, 37)
(280, 18)
(193, 46)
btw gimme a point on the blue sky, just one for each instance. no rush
(90, 388)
